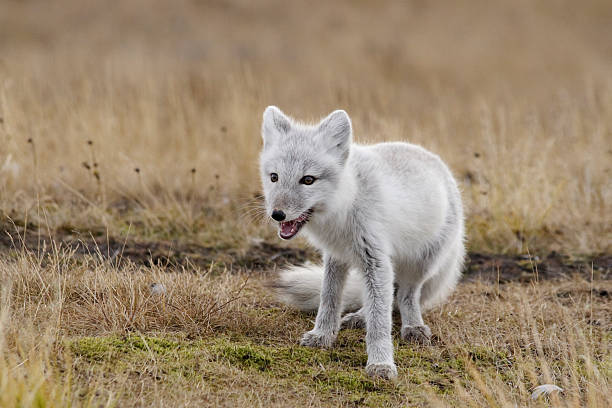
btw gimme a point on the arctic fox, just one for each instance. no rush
(384, 214)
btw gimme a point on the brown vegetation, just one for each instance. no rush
(82, 332)
(129, 134)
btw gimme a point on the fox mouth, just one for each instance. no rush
(288, 229)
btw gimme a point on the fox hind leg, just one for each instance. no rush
(423, 285)
(410, 277)
(414, 328)
(355, 320)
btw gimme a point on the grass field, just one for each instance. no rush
(129, 138)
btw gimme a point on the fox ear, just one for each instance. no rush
(275, 123)
(336, 132)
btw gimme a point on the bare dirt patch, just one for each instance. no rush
(526, 268)
(173, 254)
(262, 256)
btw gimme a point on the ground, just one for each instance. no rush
(164, 323)
(135, 251)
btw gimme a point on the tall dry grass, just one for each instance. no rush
(49, 300)
(516, 97)
(494, 344)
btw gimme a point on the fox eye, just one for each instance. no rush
(308, 180)
(274, 177)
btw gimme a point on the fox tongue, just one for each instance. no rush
(288, 229)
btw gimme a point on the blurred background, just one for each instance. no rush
(148, 112)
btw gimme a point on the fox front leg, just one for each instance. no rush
(377, 310)
(327, 323)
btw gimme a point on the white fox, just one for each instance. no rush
(381, 214)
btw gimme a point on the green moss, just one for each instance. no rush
(480, 354)
(303, 355)
(352, 381)
(109, 348)
(136, 354)
(95, 348)
(336, 372)
(245, 356)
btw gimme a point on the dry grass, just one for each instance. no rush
(140, 120)
(516, 97)
(86, 333)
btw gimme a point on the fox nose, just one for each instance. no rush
(278, 215)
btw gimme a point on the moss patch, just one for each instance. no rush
(109, 348)
(245, 356)
(336, 374)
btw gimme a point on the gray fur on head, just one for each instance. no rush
(336, 132)
(275, 124)
(293, 150)
(332, 135)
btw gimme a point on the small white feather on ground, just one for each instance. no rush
(544, 389)
(157, 289)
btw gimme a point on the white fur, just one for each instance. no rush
(300, 287)
(382, 214)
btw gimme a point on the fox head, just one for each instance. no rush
(301, 166)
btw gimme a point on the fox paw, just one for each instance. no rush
(417, 334)
(317, 339)
(352, 321)
(385, 371)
